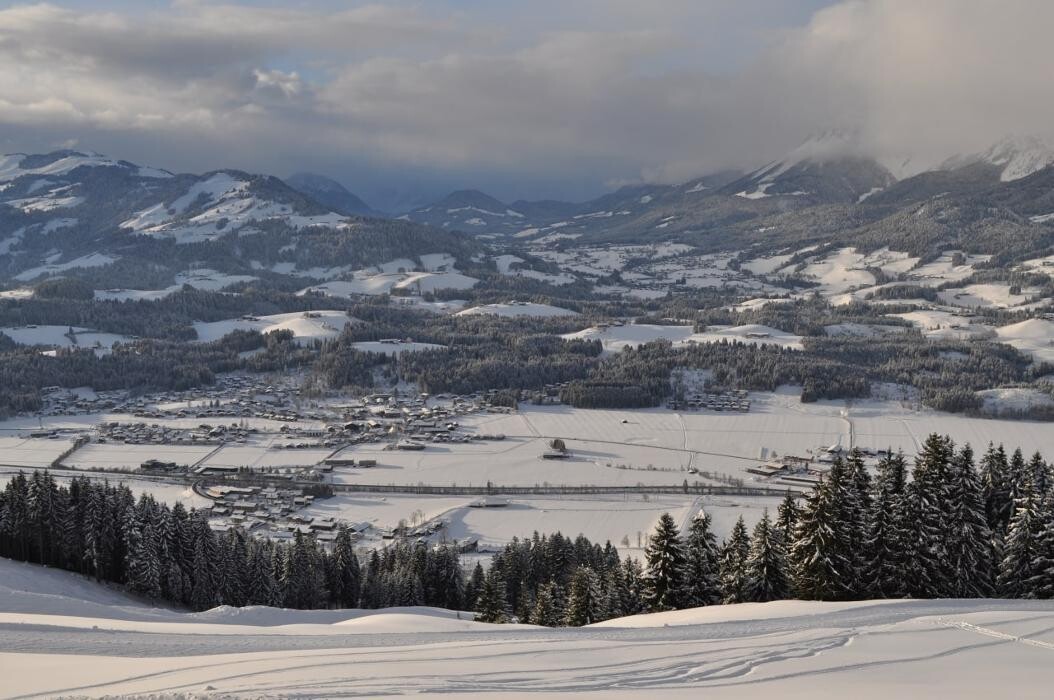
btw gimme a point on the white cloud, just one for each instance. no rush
(579, 95)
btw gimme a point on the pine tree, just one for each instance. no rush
(491, 603)
(733, 564)
(1041, 583)
(584, 598)
(1021, 553)
(968, 541)
(345, 586)
(930, 572)
(787, 518)
(702, 575)
(766, 577)
(886, 534)
(474, 586)
(856, 520)
(996, 489)
(664, 577)
(820, 554)
(546, 610)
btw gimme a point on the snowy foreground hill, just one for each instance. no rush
(63, 635)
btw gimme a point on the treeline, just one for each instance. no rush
(171, 554)
(944, 528)
(143, 365)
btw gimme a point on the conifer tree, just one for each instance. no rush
(787, 518)
(664, 575)
(547, 611)
(968, 540)
(491, 603)
(820, 553)
(766, 566)
(733, 564)
(584, 598)
(1041, 583)
(702, 574)
(1021, 553)
(995, 488)
(345, 588)
(886, 534)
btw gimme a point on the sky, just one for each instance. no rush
(565, 99)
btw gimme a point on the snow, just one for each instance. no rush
(1019, 156)
(766, 266)
(426, 282)
(944, 324)
(226, 204)
(615, 338)
(122, 457)
(394, 348)
(90, 260)
(306, 326)
(517, 308)
(999, 401)
(984, 295)
(11, 166)
(67, 636)
(57, 336)
(199, 278)
(1033, 337)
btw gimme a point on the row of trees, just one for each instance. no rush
(947, 529)
(171, 554)
(950, 530)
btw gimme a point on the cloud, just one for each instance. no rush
(561, 98)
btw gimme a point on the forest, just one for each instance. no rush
(947, 527)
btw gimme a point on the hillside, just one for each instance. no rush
(106, 643)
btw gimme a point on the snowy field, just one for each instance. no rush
(32, 453)
(63, 635)
(305, 327)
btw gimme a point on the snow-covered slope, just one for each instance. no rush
(65, 636)
(305, 327)
(828, 167)
(1018, 156)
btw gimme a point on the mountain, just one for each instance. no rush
(471, 211)
(330, 193)
(827, 168)
(67, 209)
(1015, 157)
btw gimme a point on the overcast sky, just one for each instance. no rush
(546, 98)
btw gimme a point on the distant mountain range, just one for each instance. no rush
(58, 206)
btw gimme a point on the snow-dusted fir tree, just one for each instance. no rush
(1021, 552)
(787, 517)
(766, 565)
(702, 574)
(820, 557)
(664, 572)
(1041, 582)
(547, 609)
(345, 580)
(856, 518)
(491, 602)
(144, 566)
(631, 574)
(929, 573)
(886, 532)
(585, 600)
(995, 486)
(733, 564)
(968, 541)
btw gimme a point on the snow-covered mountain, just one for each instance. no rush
(63, 210)
(1015, 156)
(98, 195)
(828, 167)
